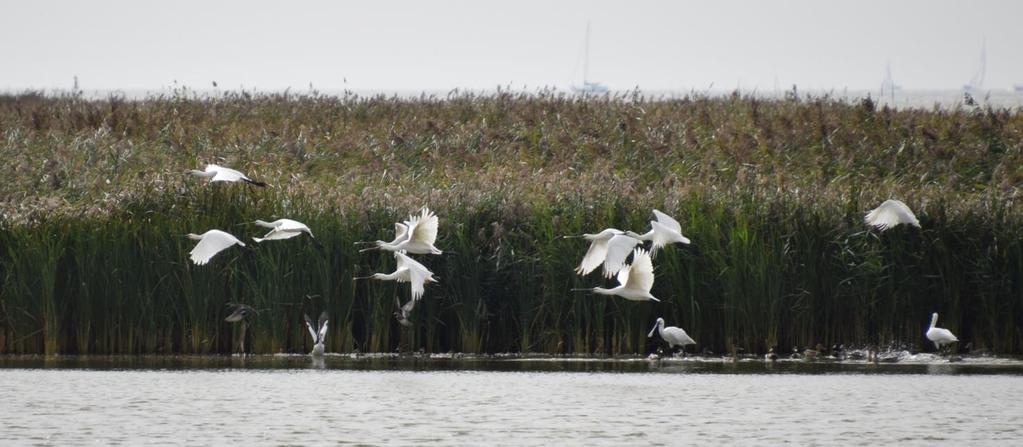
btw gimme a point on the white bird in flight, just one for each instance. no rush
(319, 334)
(211, 243)
(400, 234)
(221, 174)
(408, 270)
(284, 229)
(618, 249)
(635, 280)
(675, 336)
(891, 213)
(609, 248)
(939, 336)
(663, 231)
(420, 233)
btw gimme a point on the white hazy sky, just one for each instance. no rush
(418, 45)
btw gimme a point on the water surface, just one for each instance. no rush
(448, 401)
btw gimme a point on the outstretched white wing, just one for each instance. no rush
(641, 272)
(595, 255)
(891, 213)
(400, 233)
(662, 236)
(623, 276)
(293, 226)
(618, 249)
(212, 242)
(224, 174)
(424, 227)
(277, 234)
(414, 273)
(323, 331)
(312, 332)
(667, 221)
(283, 229)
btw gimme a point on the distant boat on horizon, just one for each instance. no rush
(588, 87)
(976, 83)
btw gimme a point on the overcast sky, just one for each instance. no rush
(417, 45)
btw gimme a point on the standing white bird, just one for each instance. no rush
(221, 174)
(319, 334)
(891, 213)
(939, 336)
(609, 248)
(675, 336)
(635, 280)
(663, 231)
(408, 270)
(283, 229)
(421, 234)
(211, 243)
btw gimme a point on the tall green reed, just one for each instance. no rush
(772, 194)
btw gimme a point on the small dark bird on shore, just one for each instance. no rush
(813, 354)
(242, 313)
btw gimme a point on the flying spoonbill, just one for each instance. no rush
(663, 231)
(421, 234)
(635, 280)
(211, 243)
(221, 174)
(284, 229)
(609, 248)
(408, 270)
(400, 234)
(891, 213)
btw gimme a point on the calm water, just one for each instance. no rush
(294, 400)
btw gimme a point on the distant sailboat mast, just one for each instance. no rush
(588, 87)
(977, 81)
(888, 84)
(586, 57)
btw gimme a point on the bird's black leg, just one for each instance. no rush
(241, 342)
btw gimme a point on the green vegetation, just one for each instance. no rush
(772, 193)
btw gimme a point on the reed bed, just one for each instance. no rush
(772, 193)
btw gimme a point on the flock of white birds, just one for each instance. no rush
(609, 249)
(415, 235)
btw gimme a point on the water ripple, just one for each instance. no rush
(504, 408)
